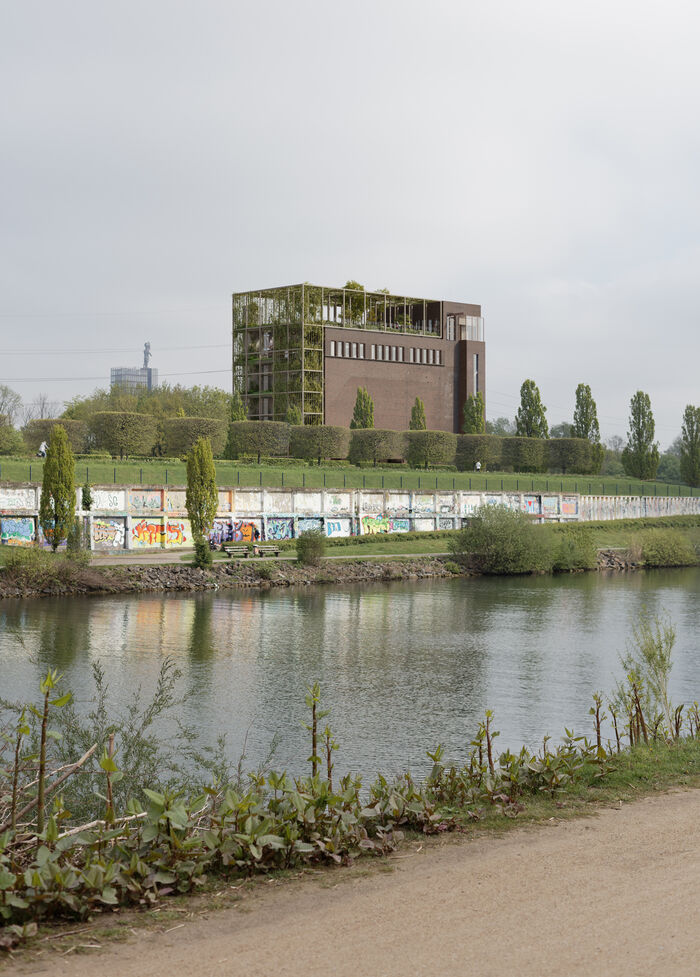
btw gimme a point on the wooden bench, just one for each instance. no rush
(268, 550)
(242, 552)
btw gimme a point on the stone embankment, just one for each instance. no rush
(180, 577)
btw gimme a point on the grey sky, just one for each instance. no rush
(541, 159)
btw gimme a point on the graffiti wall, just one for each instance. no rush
(109, 534)
(145, 501)
(279, 502)
(308, 503)
(372, 525)
(178, 532)
(531, 505)
(423, 503)
(569, 505)
(279, 528)
(17, 530)
(18, 498)
(373, 502)
(423, 525)
(105, 500)
(469, 504)
(224, 501)
(445, 522)
(338, 502)
(445, 503)
(397, 503)
(147, 534)
(338, 527)
(247, 503)
(309, 525)
(175, 501)
(550, 505)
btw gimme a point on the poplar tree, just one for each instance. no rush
(640, 457)
(57, 505)
(202, 498)
(530, 421)
(417, 422)
(690, 446)
(293, 416)
(239, 411)
(473, 420)
(363, 413)
(585, 423)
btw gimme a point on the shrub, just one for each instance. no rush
(430, 448)
(573, 548)
(485, 448)
(666, 548)
(375, 444)
(202, 553)
(40, 430)
(182, 432)
(123, 433)
(524, 454)
(311, 547)
(11, 442)
(259, 438)
(500, 540)
(319, 442)
(569, 455)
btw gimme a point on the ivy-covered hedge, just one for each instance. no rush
(430, 448)
(375, 444)
(319, 442)
(37, 431)
(259, 438)
(182, 432)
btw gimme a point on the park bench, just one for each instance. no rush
(268, 550)
(242, 552)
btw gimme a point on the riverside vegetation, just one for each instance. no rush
(81, 833)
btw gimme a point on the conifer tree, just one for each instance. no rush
(417, 422)
(530, 421)
(239, 411)
(473, 420)
(293, 415)
(585, 423)
(202, 498)
(57, 505)
(363, 413)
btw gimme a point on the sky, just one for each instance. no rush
(541, 159)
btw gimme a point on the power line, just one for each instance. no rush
(106, 349)
(102, 376)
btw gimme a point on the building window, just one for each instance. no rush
(410, 354)
(332, 348)
(400, 354)
(373, 352)
(386, 353)
(347, 349)
(362, 350)
(450, 331)
(438, 357)
(476, 373)
(430, 357)
(380, 350)
(354, 351)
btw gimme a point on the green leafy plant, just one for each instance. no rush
(57, 503)
(311, 547)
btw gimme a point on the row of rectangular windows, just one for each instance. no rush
(389, 354)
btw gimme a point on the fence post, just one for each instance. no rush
(344, 477)
(562, 485)
(261, 476)
(166, 476)
(501, 485)
(453, 484)
(532, 485)
(363, 481)
(400, 481)
(115, 476)
(87, 473)
(419, 483)
(487, 485)
(30, 473)
(382, 481)
(470, 483)
(282, 479)
(238, 476)
(547, 485)
(324, 479)
(141, 476)
(517, 484)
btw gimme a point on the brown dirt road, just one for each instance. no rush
(614, 894)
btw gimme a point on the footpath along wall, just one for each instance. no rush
(146, 518)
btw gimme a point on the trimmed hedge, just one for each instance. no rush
(430, 448)
(486, 448)
(524, 454)
(182, 432)
(374, 444)
(259, 438)
(37, 431)
(123, 433)
(577, 455)
(319, 442)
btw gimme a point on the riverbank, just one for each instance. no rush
(66, 579)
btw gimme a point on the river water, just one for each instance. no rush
(401, 666)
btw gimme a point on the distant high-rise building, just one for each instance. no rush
(135, 379)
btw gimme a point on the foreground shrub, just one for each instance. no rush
(500, 540)
(573, 548)
(666, 548)
(311, 547)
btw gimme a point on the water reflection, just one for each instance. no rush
(403, 666)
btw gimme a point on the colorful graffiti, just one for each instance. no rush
(445, 503)
(176, 533)
(175, 501)
(423, 503)
(221, 532)
(17, 531)
(569, 506)
(550, 505)
(531, 504)
(108, 534)
(341, 502)
(469, 504)
(373, 525)
(279, 528)
(338, 527)
(309, 525)
(146, 533)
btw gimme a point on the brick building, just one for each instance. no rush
(312, 347)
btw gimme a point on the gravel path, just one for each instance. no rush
(614, 894)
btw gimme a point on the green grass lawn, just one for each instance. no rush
(230, 474)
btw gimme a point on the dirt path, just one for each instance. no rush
(615, 894)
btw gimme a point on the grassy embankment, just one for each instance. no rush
(101, 472)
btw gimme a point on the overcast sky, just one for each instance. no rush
(539, 158)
